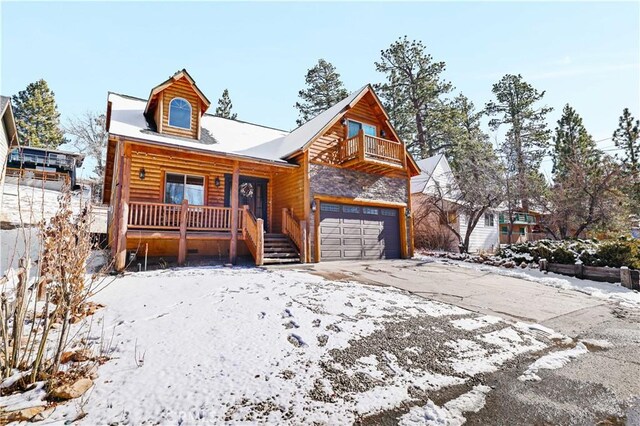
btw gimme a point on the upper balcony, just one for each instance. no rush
(519, 218)
(363, 148)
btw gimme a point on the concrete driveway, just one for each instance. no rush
(605, 380)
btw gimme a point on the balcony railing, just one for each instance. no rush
(367, 148)
(519, 219)
(143, 215)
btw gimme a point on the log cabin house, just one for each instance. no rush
(183, 183)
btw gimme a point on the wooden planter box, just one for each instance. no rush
(629, 278)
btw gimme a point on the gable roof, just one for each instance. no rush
(6, 114)
(126, 117)
(300, 137)
(427, 167)
(175, 77)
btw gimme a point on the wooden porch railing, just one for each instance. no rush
(144, 215)
(297, 231)
(253, 232)
(366, 147)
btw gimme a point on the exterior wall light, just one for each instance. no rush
(383, 133)
(217, 182)
(313, 206)
(142, 173)
(343, 121)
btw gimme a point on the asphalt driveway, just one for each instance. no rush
(606, 380)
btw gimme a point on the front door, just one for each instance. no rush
(252, 192)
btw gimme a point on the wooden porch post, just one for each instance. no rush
(235, 183)
(123, 211)
(361, 145)
(182, 244)
(260, 242)
(303, 241)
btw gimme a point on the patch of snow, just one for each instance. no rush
(20, 401)
(598, 343)
(471, 324)
(552, 361)
(451, 414)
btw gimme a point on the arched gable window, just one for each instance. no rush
(180, 113)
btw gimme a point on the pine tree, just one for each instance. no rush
(527, 136)
(224, 106)
(37, 116)
(572, 144)
(324, 89)
(413, 95)
(627, 138)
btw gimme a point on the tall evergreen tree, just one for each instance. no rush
(527, 136)
(627, 138)
(572, 144)
(468, 134)
(37, 116)
(324, 89)
(224, 106)
(414, 95)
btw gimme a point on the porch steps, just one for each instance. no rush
(278, 249)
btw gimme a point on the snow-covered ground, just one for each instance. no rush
(215, 345)
(602, 290)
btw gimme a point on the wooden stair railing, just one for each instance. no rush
(297, 231)
(253, 232)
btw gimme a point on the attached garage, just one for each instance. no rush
(352, 232)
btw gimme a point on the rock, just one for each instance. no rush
(509, 264)
(74, 390)
(523, 265)
(20, 415)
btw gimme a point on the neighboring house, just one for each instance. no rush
(8, 137)
(43, 167)
(436, 182)
(181, 183)
(526, 227)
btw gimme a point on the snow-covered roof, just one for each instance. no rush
(4, 102)
(427, 167)
(297, 139)
(218, 135)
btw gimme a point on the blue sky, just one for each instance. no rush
(586, 54)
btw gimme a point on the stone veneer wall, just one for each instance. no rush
(327, 180)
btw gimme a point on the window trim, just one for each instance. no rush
(190, 113)
(362, 124)
(492, 222)
(184, 183)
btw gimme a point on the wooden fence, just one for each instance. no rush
(629, 278)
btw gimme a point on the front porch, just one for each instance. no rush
(207, 230)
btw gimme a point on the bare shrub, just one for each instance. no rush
(44, 297)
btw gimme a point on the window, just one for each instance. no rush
(449, 217)
(388, 212)
(488, 219)
(369, 210)
(350, 209)
(504, 230)
(180, 187)
(354, 129)
(329, 207)
(180, 113)
(523, 230)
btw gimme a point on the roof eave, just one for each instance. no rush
(206, 151)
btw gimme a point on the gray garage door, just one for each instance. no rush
(358, 232)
